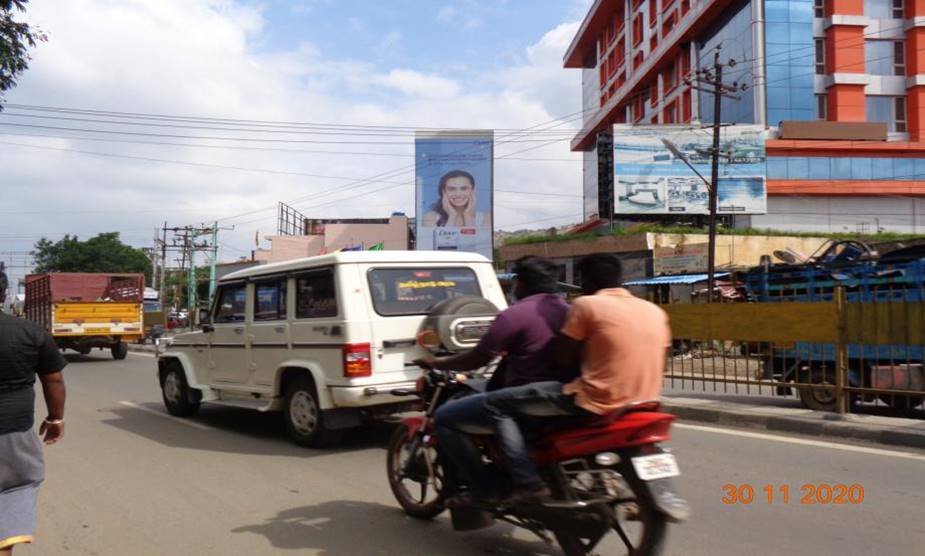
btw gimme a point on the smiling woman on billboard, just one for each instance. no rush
(457, 204)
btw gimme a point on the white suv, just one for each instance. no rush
(326, 339)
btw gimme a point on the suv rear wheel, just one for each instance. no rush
(303, 417)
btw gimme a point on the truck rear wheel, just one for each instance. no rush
(119, 351)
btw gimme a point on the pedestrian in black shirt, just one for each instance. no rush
(26, 350)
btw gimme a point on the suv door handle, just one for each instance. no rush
(239, 331)
(279, 329)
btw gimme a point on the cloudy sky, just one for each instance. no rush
(411, 63)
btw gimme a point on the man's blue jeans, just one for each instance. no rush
(497, 413)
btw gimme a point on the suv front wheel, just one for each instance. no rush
(303, 416)
(179, 399)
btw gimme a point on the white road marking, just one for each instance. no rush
(142, 353)
(186, 422)
(803, 442)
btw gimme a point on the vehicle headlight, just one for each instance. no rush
(161, 344)
(606, 459)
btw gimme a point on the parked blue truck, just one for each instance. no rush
(892, 279)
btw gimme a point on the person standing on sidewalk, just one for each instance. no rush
(26, 350)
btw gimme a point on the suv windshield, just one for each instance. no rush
(413, 291)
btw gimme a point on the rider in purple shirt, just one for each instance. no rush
(525, 334)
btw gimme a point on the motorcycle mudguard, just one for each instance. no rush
(414, 424)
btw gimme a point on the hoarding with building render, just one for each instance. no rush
(650, 179)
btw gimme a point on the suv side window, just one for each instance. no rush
(232, 302)
(315, 295)
(270, 300)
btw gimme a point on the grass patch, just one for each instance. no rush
(660, 229)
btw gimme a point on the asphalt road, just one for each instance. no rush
(128, 479)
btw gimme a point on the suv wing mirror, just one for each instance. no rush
(205, 321)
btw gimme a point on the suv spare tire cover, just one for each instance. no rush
(460, 322)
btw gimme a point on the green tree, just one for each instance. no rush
(103, 253)
(16, 38)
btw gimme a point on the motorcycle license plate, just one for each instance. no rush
(656, 466)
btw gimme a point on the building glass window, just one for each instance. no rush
(735, 27)
(884, 57)
(820, 56)
(899, 58)
(889, 110)
(819, 8)
(898, 12)
(821, 107)
(899, 111)
(669, 78)
(883, 9)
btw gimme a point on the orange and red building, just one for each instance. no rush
(839, 84)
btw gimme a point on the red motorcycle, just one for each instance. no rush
(606, 474)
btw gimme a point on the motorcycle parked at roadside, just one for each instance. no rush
(607, 475)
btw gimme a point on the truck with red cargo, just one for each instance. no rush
(83, 310)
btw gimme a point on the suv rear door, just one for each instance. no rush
(269, 329)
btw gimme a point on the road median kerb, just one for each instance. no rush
(890, 431)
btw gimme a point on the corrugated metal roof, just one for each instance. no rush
(676, 279)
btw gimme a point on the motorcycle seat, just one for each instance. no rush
(597, 421)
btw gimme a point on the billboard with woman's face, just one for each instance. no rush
(453, 188)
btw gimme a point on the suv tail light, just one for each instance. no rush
(357, 360)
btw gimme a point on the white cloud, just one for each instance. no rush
(198, 57)
(447, 13)
(465, 17)
(416, 83)
(391, 39)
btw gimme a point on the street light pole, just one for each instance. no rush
(714, 195)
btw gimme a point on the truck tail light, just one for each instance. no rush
(357, 360)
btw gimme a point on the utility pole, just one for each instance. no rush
(186, 241)
(163, 295)
(214, 259)
(712, 78)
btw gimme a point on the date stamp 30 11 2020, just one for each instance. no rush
(809, 494)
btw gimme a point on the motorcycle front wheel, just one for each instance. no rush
(640, 529)
(415, 475)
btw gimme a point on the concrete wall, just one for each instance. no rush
(286, 248)
(742, 250)
(843, 214)
(393, 235)
(730, 250)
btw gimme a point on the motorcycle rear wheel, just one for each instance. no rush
(654, 525)
(421, 468)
